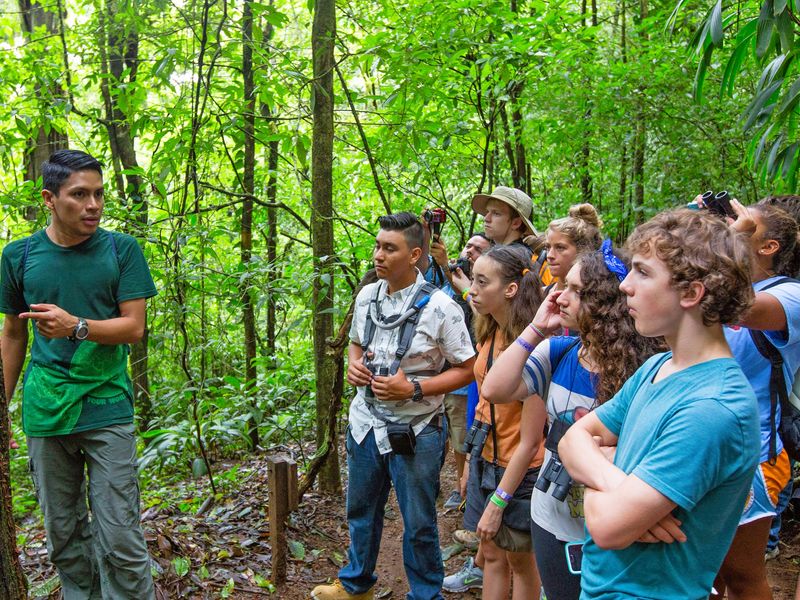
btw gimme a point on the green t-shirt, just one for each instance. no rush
(74, 386)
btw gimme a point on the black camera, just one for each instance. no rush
(475, 439)
(554, 472)
(435, 218)
(719, 203)
(461, 263)
(375, 370)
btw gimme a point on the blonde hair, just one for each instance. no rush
(582, 227)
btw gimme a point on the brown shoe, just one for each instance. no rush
(336, 591)
(470, 539)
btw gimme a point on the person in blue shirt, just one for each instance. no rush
(571, 376)
(773, 236)
(668, 461)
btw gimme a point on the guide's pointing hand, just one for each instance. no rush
(51, 321)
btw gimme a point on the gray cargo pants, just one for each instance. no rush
(108, 558)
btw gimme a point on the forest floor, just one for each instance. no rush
(225, 553)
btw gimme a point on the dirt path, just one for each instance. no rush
(225, 553)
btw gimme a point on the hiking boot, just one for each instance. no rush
(453, 502)
(336, 591)
(469, 577)
(470, 539)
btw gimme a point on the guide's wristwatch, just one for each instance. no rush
(80, 332)
(417, 397)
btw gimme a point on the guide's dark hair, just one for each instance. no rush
(407, 223)
(62, 164)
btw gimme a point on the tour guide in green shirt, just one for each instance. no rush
(84, 290)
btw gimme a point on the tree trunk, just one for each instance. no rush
(322, 38)
(640, 141)
(13, 584)
(585, 155)
(121, 52)
(248, 181)
(41, 143)
(272, 209)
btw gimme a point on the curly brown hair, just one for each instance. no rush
(697, 246)
(606, 328)
(582, 227)
(513, 264)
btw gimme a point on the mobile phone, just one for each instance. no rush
(574, 552)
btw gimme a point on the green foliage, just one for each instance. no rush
(448, 98)
(763, 36)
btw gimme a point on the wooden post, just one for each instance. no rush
(282, 480)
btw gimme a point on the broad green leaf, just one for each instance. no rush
(701, 73)
(790, 99)
(715, 24)
(734, 65)
(181, 565)
(785, 27)
(297, 549)
(759, 107)
(765, 24)
(199, 468)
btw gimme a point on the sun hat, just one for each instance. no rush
(516, 199)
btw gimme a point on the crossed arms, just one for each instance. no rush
(619, 509)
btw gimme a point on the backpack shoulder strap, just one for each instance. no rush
(409, 328)
(566, 351)
(777, 386)
(113, 243)
(369, 325)
(25, 253)
(779, 281)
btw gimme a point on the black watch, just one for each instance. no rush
(80, 332)
(417, 397)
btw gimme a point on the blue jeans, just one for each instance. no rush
(416, 483)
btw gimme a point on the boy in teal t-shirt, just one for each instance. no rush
(84, 291)
(668, 462)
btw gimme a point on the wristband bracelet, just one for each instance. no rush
(503, 495)
(465, 295)
(524, 344)
(537, 331)
(497, 500)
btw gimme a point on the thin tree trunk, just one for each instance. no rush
(42, 143)
(322, 39)
(248, 181)
(121, 52)
(13, 584)
(622, 234)
(640, 142)
(585, 155)
(272, 211)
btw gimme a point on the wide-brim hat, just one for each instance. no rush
(516, 199)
